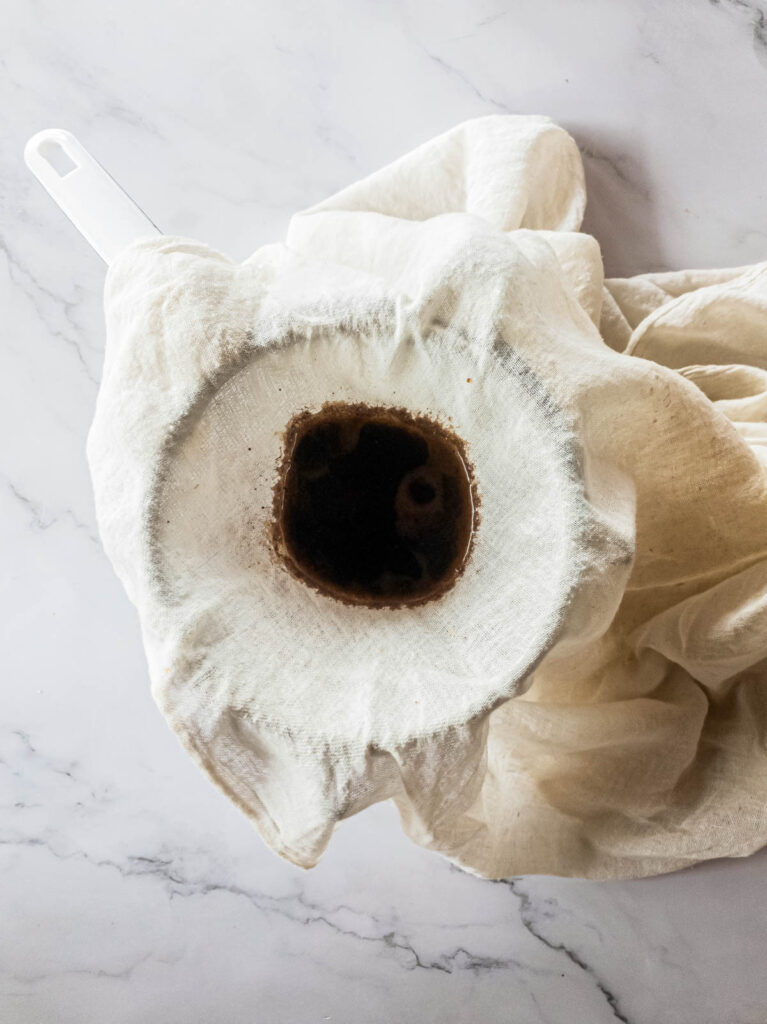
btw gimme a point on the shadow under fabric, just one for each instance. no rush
(590, 698)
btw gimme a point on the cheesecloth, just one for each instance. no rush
(590, 698)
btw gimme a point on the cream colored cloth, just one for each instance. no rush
(590, 698)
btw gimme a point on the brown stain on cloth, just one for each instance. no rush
(373, 505)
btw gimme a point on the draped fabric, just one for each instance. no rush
(590, 698)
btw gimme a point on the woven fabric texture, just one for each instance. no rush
(589, 699)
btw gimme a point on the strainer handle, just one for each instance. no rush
(91, 198)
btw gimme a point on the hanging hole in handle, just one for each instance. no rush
(55, 154)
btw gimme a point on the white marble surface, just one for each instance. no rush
(130, 890)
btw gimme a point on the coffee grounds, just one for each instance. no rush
(374, 506)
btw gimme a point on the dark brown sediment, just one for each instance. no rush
(374, 505)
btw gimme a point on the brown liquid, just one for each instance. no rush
(374, 506)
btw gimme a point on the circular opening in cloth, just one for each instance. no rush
(374, 506)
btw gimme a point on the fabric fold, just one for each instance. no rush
(590, 697)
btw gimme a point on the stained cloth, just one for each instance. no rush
(590, 698)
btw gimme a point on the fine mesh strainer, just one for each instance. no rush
(616, 576)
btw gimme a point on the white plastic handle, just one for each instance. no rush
(91, 198)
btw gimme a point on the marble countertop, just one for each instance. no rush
(131, 892)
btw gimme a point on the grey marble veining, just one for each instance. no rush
(130, 890)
